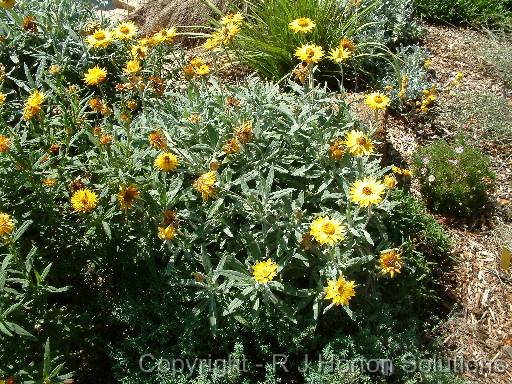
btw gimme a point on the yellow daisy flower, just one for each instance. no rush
(212, 42)
(165, 35)
(347, 45)
(358, 144)
(3, 97)
(390, 181)
(376, 101)
(49, 182)
(6, 224)
(33, 104)
(337, 149)
(157, 139)
(84, 200)
(127, 196)
(7, 4)
(167, 162)
(125, 31)
(302, 25)
(167, 233)
(309, 53)
(5, 143)
(367, 192)
(101, 38)
(225, 36)
(401, 171)
(95, 76)
(132, 66)
(264, 271)
(232, 18)
(391, 262)
(244, 132)
(407, 172)
(202, 70)
(327, 231)
(340, 291)
(139, 51)
(206, 185)
(231, 146)
(339, 55)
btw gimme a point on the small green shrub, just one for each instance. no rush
(454, 178)
(466, 11)
(495, 52)
(475, 113)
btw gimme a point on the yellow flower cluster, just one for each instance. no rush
(243, 134)
(264, 271)
(132, 66)
(377, 101)
(127, 196)
(343, 52)
(196, 68)
(84, 200)
(340, 291)
(167, 162)
(391, 262)
(102, 38)
(428, 100)
(95, 76)
(157, 140)
(401, 171)
(5, 143)
(327, 231)
(312, 53)
(230, 27)
(6, 224)
(205, 184)
(169, 228)
(33, 105)
(302, 25)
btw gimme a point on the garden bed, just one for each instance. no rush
(250, 186)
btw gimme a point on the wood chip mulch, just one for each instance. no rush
(480, 327)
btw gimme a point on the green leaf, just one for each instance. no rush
(56, 371)
(213, 136)
(47, 358)
(21, 230)
(237, 276)
(45, 272)
(270, 180)
(30, 259)
(212, 316)
(19, 330)
(106, 228)
(348, 311)
(205, 259)
(4, 329)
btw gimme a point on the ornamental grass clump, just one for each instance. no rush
(454, 178)
(331, 40)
